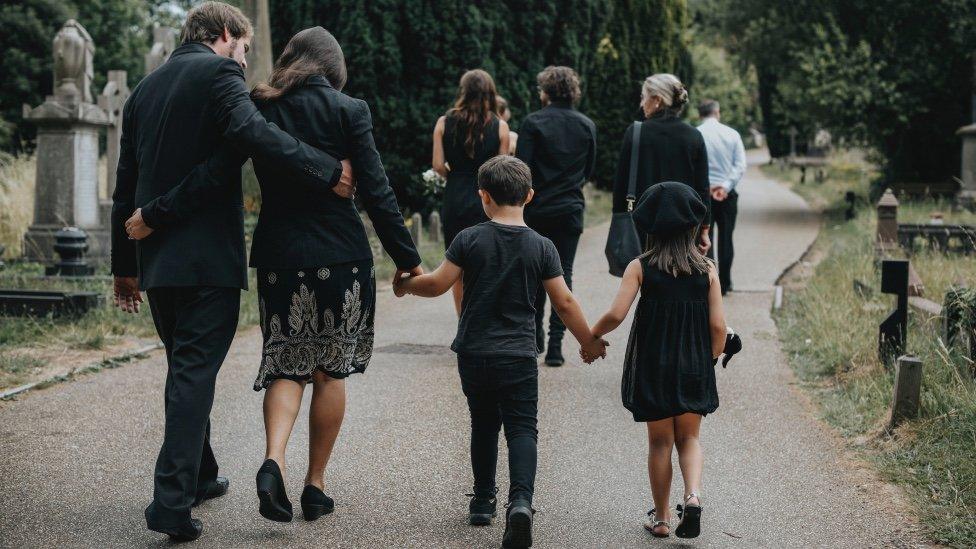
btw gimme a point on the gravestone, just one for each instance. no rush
(164, 42)
(435, 226)
(259, 59)
(68, 123)
(416, 228)
(113, 97)
(887, 234)
(906, 392)
(967, 191)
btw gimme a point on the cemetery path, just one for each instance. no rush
(77, 457)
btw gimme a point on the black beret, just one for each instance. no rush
(669, 208)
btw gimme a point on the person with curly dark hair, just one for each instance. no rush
(559, 145)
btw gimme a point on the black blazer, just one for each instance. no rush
(297, 229)
(174, 120)
(670, 150)
(559, 145)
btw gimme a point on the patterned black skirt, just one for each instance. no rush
(316, 319)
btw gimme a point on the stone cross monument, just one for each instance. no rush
(967, 192)
(112, 100)
(164, 42)
(68, 123)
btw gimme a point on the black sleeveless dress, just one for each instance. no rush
(462, 207)
(668, 366)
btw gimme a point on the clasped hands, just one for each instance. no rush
(136, 228)
(594, 349)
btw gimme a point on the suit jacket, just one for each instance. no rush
(670, 149)
(301, 228)
(174, 121)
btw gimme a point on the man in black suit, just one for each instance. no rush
(175, 119)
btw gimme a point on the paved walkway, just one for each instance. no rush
(77, 458)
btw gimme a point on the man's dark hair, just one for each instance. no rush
(707, 108)
(507, 179)
(560, 84)
(206, 22)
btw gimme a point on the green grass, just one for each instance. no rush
(829, 332)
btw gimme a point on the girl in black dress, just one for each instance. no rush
(678, 330)
(464, 138)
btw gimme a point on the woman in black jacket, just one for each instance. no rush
(670, 149)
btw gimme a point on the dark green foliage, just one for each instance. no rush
(27, 29)
(405, 59)
(892, 75)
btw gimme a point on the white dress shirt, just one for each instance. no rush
(726, 154)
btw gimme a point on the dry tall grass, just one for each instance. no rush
(16, 201)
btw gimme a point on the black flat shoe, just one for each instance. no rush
(271, 493)
(214, 489)
(187, 531)
(689, 525)
(554, 356)
(315, 503)
(481, 510)
(518, 525)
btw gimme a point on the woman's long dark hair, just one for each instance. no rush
(313, 51)
(474, 106)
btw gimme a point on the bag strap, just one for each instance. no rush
(632, 182)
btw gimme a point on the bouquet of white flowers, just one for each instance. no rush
(433, 183)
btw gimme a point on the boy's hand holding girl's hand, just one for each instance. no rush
(594, 349)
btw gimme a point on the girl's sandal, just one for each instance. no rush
(689, 525)
(652, 525)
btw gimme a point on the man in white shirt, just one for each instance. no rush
(726, 165)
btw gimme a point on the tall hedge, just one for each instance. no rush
(405, 59)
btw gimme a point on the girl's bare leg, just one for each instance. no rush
(458, 291)
(282, 399)
(660, 439)
(324, 421)
(686, 428)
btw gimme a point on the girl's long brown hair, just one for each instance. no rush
(474, 106)
(313, 51)
(677, 254)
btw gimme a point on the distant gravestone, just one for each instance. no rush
(435, 226)
(967, 191)
(68, 123)
(416, 228)
(113, 97)
(887, 233)
(164, 42)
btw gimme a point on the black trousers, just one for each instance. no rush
(196, 325)
(502, 391)
(723, 216)
(564, 231)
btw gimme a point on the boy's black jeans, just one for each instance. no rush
(502, 391)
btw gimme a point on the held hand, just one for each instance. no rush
(136, 227)
(399, 277)
(594, 349)
(126, 293)
(346, 187)
(719, 194)
(704, 243)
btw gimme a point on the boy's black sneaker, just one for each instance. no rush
(481, 510)
(518, 525)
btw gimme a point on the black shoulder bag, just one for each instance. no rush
(623, 244)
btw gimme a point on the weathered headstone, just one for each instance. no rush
(887, 234)
(435, 226)
(907, 390)
(111, 100)
(260, 58)
(68, 122)
(967, 191)
(164, 42)
(416, 228)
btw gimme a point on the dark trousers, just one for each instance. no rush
(196, 325)
(723, 216)
(502, 391)
(564, 231)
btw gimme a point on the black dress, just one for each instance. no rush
(462, 206)
(668, 366)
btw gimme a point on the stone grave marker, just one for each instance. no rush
(113, 97)
(164, 42)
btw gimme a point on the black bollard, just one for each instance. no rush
(70, 243)
(851, 200)
(894, 329)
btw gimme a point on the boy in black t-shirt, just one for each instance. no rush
(502, 264)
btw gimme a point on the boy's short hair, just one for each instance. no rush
(507, 179)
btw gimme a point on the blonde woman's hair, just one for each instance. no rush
(678, 254)
(668, 89)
